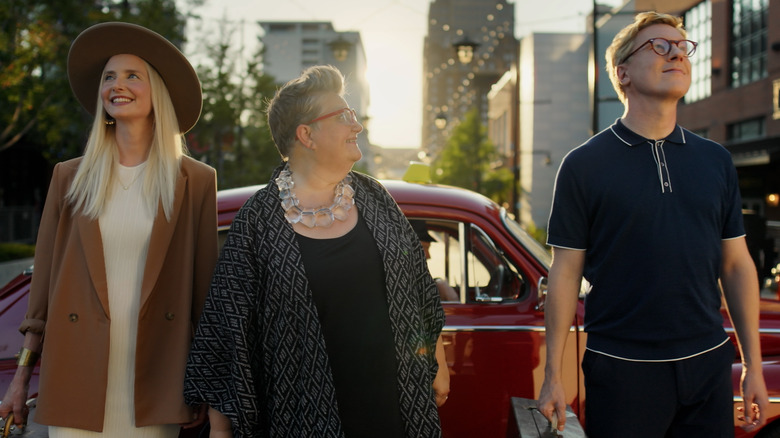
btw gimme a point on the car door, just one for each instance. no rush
(494, 333)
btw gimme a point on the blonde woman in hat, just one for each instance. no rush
(126, 248)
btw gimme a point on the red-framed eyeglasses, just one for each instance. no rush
(346, 116)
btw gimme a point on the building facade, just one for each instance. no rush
(452, 86)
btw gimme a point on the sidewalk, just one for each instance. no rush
(9, 270)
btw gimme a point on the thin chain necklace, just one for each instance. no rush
(343, 200)
(137, 171)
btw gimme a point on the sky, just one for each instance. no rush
(392, 32)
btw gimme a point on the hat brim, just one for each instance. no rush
(421, 229)
(96, 45)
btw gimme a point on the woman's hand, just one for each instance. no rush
(15, 400)
(220, 425)
(198, 417)
(441, 383)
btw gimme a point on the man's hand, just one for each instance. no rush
(755, 400)
(552, 403)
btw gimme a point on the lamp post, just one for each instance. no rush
(440, 121)
(340, 48)
(465, 49)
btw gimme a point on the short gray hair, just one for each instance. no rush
(297, 101)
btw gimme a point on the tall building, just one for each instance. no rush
(292, 46)
(452, 86)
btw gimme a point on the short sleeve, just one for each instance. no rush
(568, 224)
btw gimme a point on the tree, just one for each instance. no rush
(468, 161)
(232, 134)
(38, 106)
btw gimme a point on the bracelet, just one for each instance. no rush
(27, 357)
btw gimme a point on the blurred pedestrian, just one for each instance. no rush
(126, 248)
(446, 292)
(322, 318)
(650, 213)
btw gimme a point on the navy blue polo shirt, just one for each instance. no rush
(651, 216)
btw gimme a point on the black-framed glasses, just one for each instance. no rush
(662, 47)
(346, 116)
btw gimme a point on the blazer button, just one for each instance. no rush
(169, 316)
(73, 317)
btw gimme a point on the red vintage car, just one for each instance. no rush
(494, 334)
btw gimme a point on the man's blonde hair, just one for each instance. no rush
(623, 43)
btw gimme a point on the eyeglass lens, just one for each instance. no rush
(348, 115)
(663, 46)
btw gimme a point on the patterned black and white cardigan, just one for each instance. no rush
(259, 355)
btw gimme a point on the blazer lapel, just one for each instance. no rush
(92, 243)
(162, 232)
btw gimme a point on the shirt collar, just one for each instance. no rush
(631, 138)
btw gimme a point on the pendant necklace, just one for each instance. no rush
(343, 200)
(136, 174)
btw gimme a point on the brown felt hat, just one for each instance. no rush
(96, 45)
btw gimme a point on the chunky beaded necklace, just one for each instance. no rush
(343, 200)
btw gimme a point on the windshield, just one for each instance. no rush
(537, 250)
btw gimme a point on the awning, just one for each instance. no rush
(755, 152)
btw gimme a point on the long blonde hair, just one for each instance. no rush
(89, 191)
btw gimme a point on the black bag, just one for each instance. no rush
(525, 421)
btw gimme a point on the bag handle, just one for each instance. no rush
(9, 423)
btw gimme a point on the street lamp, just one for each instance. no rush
(340, 48)
(465, 49)
(440, 121)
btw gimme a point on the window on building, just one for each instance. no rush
(776, 99)
(746, 130)
(698, 23)
(749, 41)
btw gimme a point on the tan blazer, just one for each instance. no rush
(69, 304)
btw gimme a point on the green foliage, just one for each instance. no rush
(539, 234)
(232, 134)
(15, 251)
(38, 107)
(467, 159)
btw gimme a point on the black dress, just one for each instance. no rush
(348, 286)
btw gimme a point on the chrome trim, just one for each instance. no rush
(738, 399)
(497, 328)
(765, 330)
(770, 331)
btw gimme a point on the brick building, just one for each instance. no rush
(734, 100)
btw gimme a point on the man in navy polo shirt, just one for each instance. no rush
(650, 215)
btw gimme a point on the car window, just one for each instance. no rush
(491, 278)
(467, 265)
(445, 260)
(540, 252)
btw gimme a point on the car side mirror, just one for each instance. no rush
(541, 293)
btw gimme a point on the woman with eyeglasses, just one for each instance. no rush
(322, 318)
